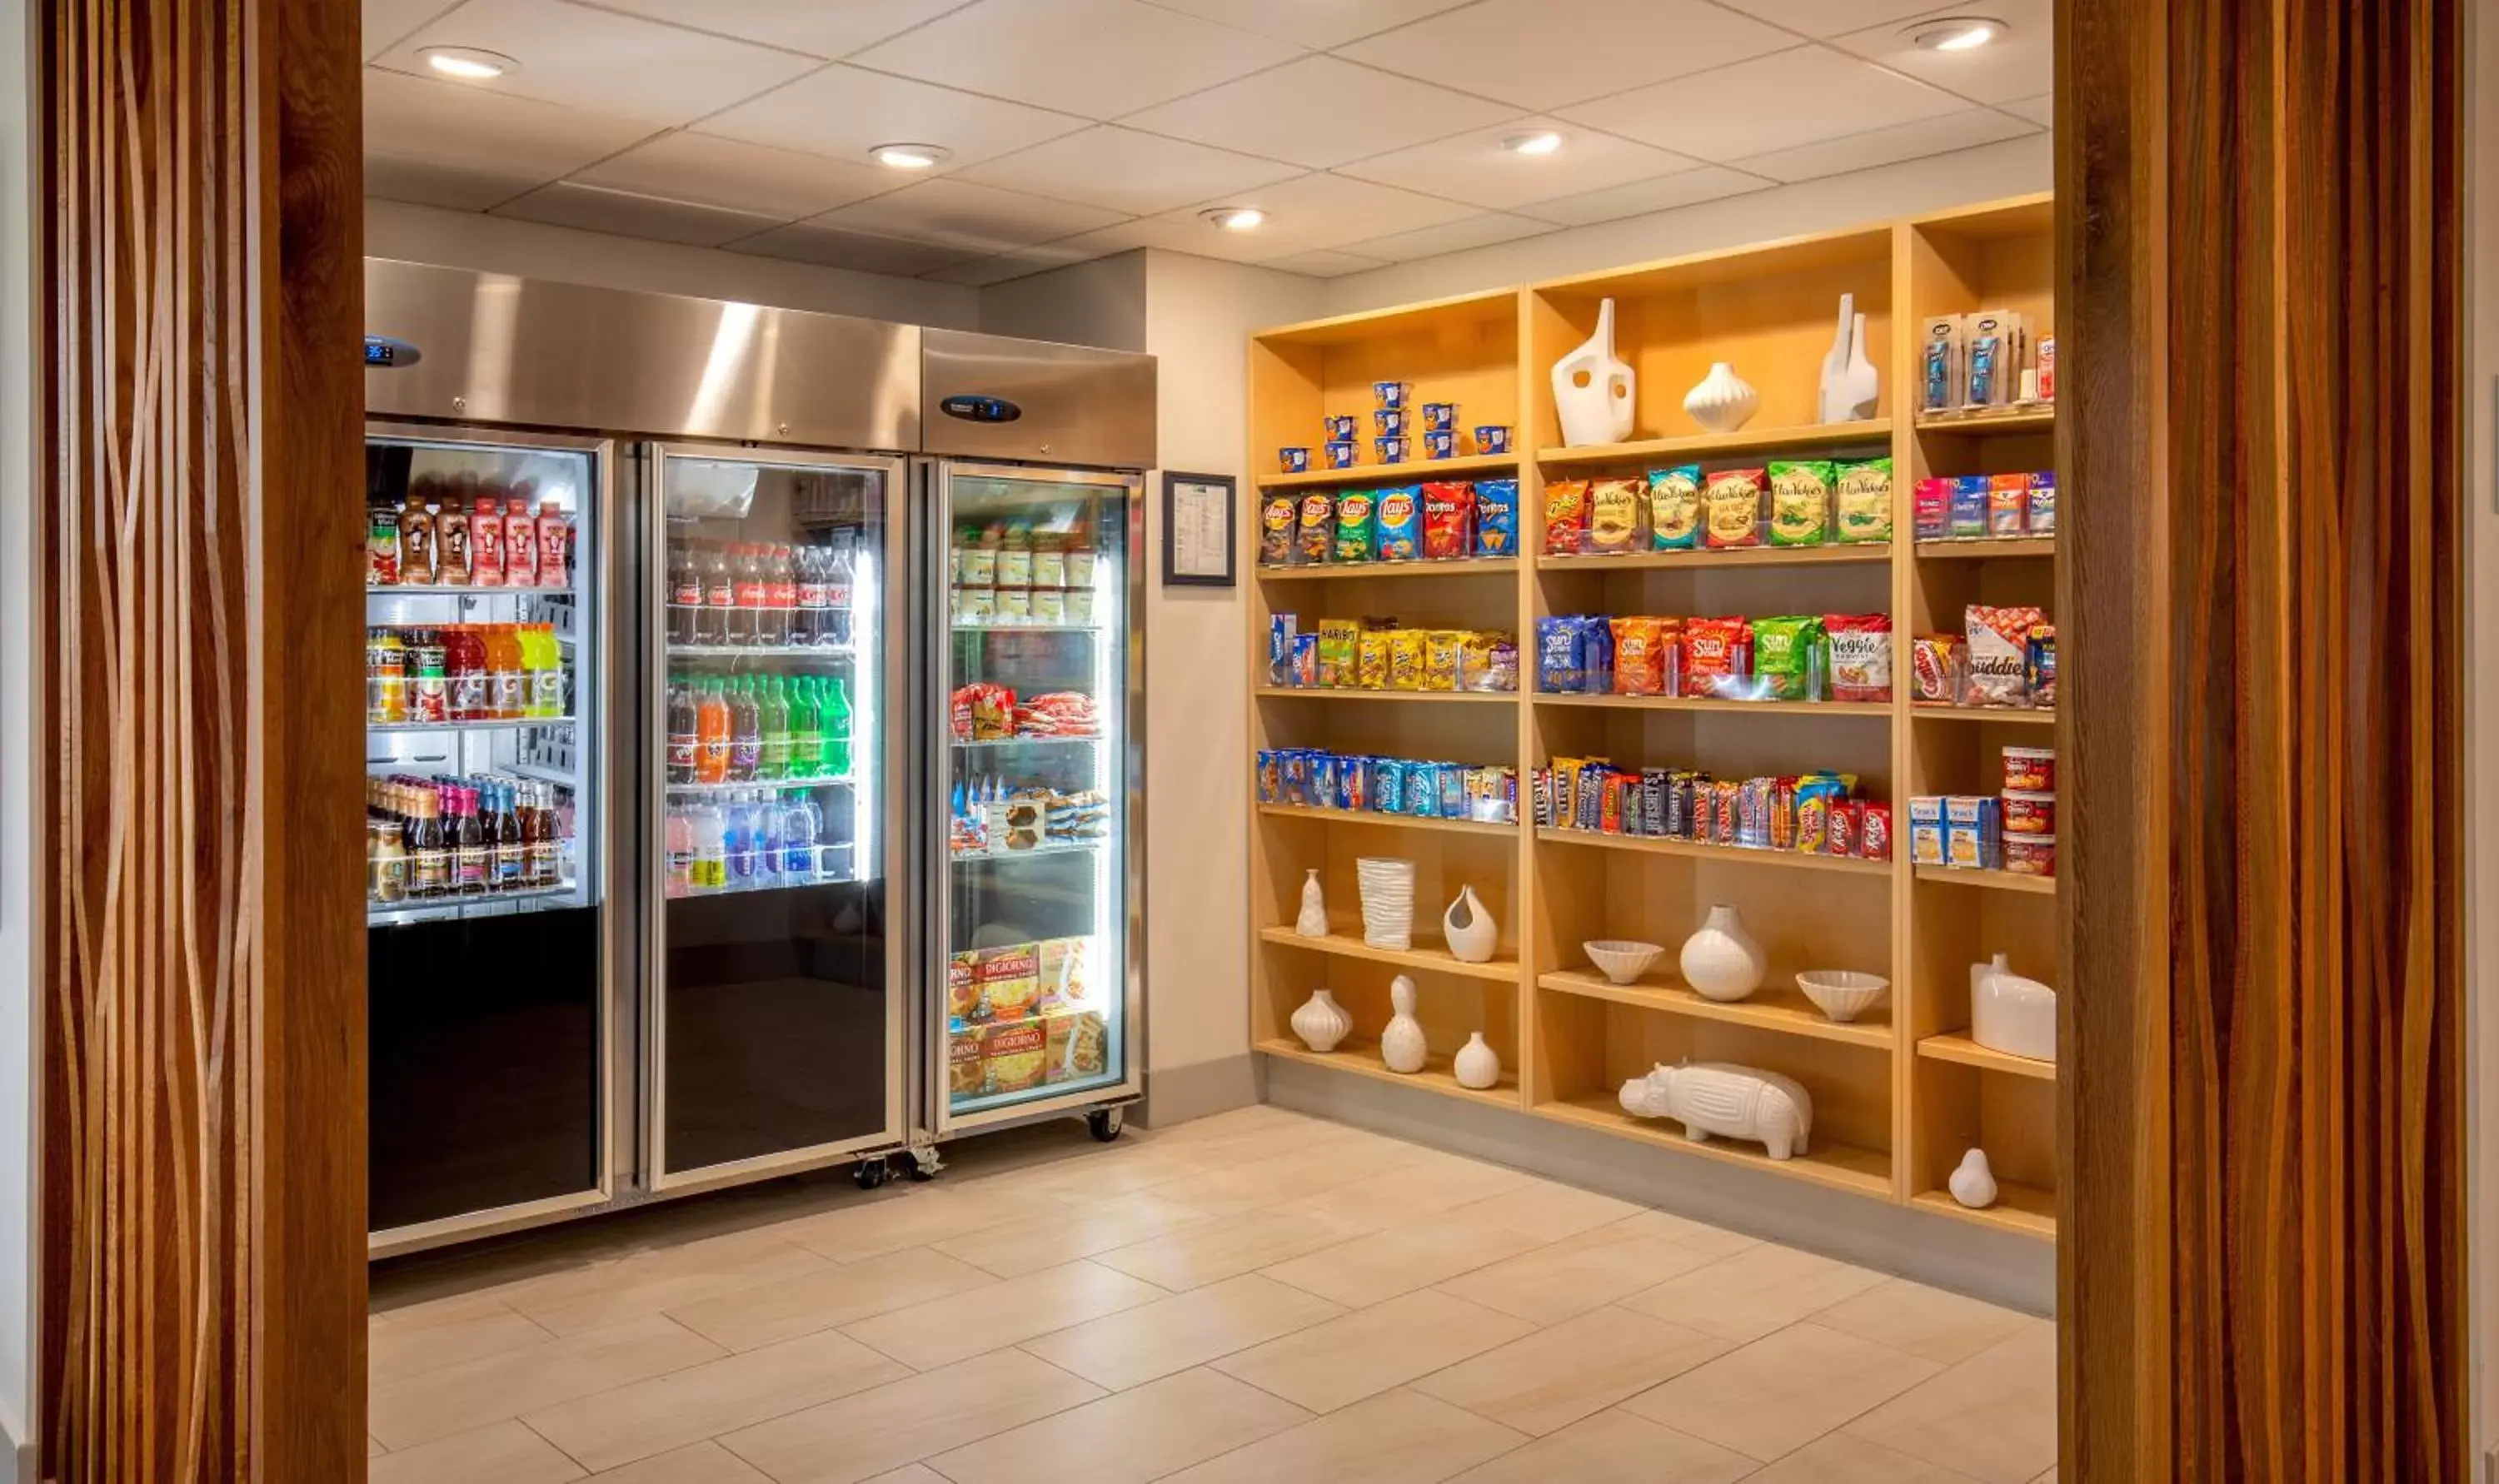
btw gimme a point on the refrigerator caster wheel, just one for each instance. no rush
(871, 1173)
(920, 1174)
(1105, 1123)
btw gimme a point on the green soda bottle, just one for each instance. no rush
(806, 728)
(837, 729)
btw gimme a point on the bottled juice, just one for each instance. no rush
(451, 534)
(416, 542)
(544, 836)
(429, 853)
(469, 856)
(711, 730)
(710, 847)
(507, 678)
(679, 843)
(428, 697)
(555, 546)
(486, 542)
(544, 659)
(382, 545)
(509, 869)
(772, 718)
(520, 545)
(464, 673)
(685, 731)
(385, 676)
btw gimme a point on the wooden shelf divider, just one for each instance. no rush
(1412, 472)
(1955, 1045)
(1867, 432)
(1467, 567)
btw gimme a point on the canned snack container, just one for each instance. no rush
(1390, 420)
(2030, 855)
(1295, 461)
(1439, 443)
(1439, 417)
(2030, 814)
(1340, 455)
(1392, 394)
(1492, 437)
(1344, 429)
(2029, 770)
(1391, 450)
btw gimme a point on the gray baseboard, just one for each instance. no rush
(1178, 1094)
(2016, 1272)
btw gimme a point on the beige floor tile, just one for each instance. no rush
(1419, 1188)
(1775, 1395)
(1928, 1322)
(1545, 1381)
(1840, 1458)
(499, 1453)
(1578, 1274)
(373, 1447)
(1993, 1417)
(960, 1326)
(1339, 1362)
(1170, 1335)
(648, 1418)
(861, 1436)
(1754, 1292)
(1546, 1212)
(1128, 1439)
(705, 1463)
(1018, 1247)
(1401, 1259)
(1311, 1167)
(926, 1213)
(430, 1336)
(651, 1281)
(1396, 1437)
(1614, 1447)
(1227, 1248)
(821, 1301)
(457, 1398)
(2050, 1477)
(911, 1474)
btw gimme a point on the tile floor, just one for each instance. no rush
(1250, 1298)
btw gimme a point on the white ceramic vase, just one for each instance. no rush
(1470, 930)
(1850, 389)
(1477, 1065)
(1973, 1183)
(1321, 1022)
(1401, 1044)
(1314, 920)
(2010, 1013)
(1723, 402)
(1388, 902)
(1722, 961)
(1592, 387)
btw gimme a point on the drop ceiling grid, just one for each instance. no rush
(1371, 125)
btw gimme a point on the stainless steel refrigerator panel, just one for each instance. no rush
(990, 397)
(493, 348)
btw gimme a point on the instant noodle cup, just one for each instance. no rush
(1390, 421)
(2030, 855)
(2030, 814)
(2031, 770)
(1439, 443)
(1391, 450)
(1441, 417)
(1392, 394)
(1295, 461)
(1342, 429)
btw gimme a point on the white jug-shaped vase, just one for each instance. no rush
(1477, 1065)
(1849, 388)
(1321, 1022)
(1314, 921)
(1401, 1044)
(1592, 388)
(1722, 961)
(1470, 930)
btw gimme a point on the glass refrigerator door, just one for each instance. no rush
(778, 1028)
(1034, 919)
(486, 944)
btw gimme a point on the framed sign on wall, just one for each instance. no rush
(1198, 529)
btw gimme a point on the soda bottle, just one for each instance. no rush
(780, 596)
(429, 870)
(385, 676)
(685, 731)
(543, 658)
(720, 596)
(772, 719)
(711, 734)
(512, 867)
(685, 595)
(746, 625)
(745, 731)
(486, 542)
(507, 679)
(806, 728)
(840, 576)
(680, 848)
(737, 831)
(555, 546)
(837, 729)
(799, 828)
(520, 545)
(808, 606)
(464, 670)
(429, 696)
(710, 832)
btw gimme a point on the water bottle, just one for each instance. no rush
(799, 828)
(768, 840)
(738, 840)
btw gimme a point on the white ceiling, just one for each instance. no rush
(1367, 130)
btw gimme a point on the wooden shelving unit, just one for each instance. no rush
(1342, 693)
(1900, 1093)
(1412, 472)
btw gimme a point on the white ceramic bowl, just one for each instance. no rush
(1621, 960)
(1842, 995)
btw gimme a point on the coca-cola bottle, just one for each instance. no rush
(807, 618)
(838, 572)
(719, 596)
(746, 620)
(685, 595)
(780, 596)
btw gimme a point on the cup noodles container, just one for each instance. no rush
(1344, 429)
(1293, 461)
(1492, 437)
(1392, 394)
(1439, 417)
(2030, 814)
(2030, 855)
(1340, 453)
(1439, 443)
(2029, 770)
(1927, 831)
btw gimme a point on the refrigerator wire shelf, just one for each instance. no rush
(735, 785)
(1047, 848)
(1028, 740)
(430, 728)
(762, 651)
(443, 908)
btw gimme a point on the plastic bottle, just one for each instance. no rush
(709, 830)
(806, 728)
(766, 813)
(841, 575)
(680, 846)
(801, 828)
(754, 592)
(720, 596)
(837, 729)
(451, 534)
(685, 731)
(545, 835)
(543, 658)
(507, 678)
(737, 829)
(685, 595)
(711, 734)
(555, 545)
(772, 717)
(468, 855)
(429, 871)
(520, 544)
(807, 614)
(463, 670)
(486, 542)
(745, 731)
(511, 866)
(428, 695)
(385, 676)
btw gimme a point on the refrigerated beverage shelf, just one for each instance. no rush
(436, 908)
(735, 784)
(759, 651)
(469, 590)
(1083, 736)
(1031, 628)
(1047, 848)
(764, 884)
(393, 728)
(987, 1101)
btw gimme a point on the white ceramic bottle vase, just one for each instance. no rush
(1320, 1022)
(1401, 1044)
(1314, 920)
(1387, 901)
(1592, 387)
(1469, 928)
(1722, 961)
(1723, 402)
(1850, 389)
(1477, 1065)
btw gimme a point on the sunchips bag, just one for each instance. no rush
(1788, 658)
(1674, 508)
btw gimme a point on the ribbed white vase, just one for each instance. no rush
(1723, 402)
(1388, 902)
(1321, 1022)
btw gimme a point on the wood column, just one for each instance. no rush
(2262, 1256)
(202, 1002)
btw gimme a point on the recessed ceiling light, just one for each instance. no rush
(1234, 218)
(468, 62)
(1542, 141)
(1955, 33)
(909, 156)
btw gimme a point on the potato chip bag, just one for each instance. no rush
(1613, 516)
(1399, 518)
(1861, 655)
(1318, 530)
(1566, 517)
(1862, 494)
(1800, 501)
(1787, 658)
(1275, 516)
(1354, 522)
(1733, 498)
(1448, 521)
(1674, 508)
(1496, 517)
(1717, 655)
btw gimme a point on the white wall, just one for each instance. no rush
(18, 1134)
(1101, 302)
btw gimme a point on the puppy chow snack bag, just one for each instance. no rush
(1318, 530)
(1800, 501)
(1613, 516)
(1998, 663)
(1861, 655)
(1399, 517)
(1406, 660)
(1566, 517)
(1355, 518)
(1448, 521)
(1496, 517)
(1734, 501)
(1277, 514)
(1371, 660)
(1862, 495)
(1674, 508)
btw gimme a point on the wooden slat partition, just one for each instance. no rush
(2263, 1268)
(203, 1196)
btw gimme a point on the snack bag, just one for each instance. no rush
(2000, 656)
(1566, 517)
(1639, 656)
(1874, 832)
(1861, 655)
(1496, 517)
(1930, 508)
(1489, 663)
(2043, 665)
(2008, 505)
(1717, 655)
(1406, 660)
(1800, 502)
(1441, 650)
(2043, 504)
(1734, 496)
(1862, 494)
(1787, 658)
(1305, 661)
(1934, 670)
(1275, 516)
(1371, 661)
(1355, 517)
(1339, 641)
(1560, 654)
(1674, 508)
(1399, 516)
(1600, 654)
(1448, 521)
(1613, 516)
(1318, 530)
(1281, 629)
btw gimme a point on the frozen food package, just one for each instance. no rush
(1015, 1054)
(1800, 501)
(1674, 508)
(1734, 498)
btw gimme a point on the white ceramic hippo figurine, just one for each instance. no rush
(1710, 1097)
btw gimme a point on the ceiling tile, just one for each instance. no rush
(975, 218)
(2041, 110)
(1321, 111)
(734, 176)
(598, 60)
(1100, 58)
(623, 213)
(1888, 146)
(457, 187)
(1451, 237)
(1474, 167)
(386, 22)
(1326, 263)
(1318, 211)
(829, 248)
(1126, 170)
(1683, 188)
(1830, 18)
(1315, 23)
(1728, 115)
(443, 125)
(825, 28)
(2020, 63)
(1543, 54)
(844, 111)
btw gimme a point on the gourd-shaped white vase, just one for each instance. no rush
(1850, 389)
(1470, 930)
(1477, 1065)
(1722, 961)
(1973, 1183)
(1401, 1044)
(1314, 921)
(1321, 1022)
(1723, 402)
(1592, 387)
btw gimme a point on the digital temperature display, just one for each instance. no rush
(379, 351)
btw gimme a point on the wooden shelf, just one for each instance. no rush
(1362, 1058)
(1839, 1166)
(1366, 816)
(1469, 567)
(1984, 714)
(1880, 709)
(1789, 858)
(1973, 424)
(1996, 881)
(1733, 556)
(1769, 1008)
(1429, 960)
(1958, 1047)
(1987, 548)
(1687, 447)
(2027, 1210)
(1348, 692)
(1412, 472)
